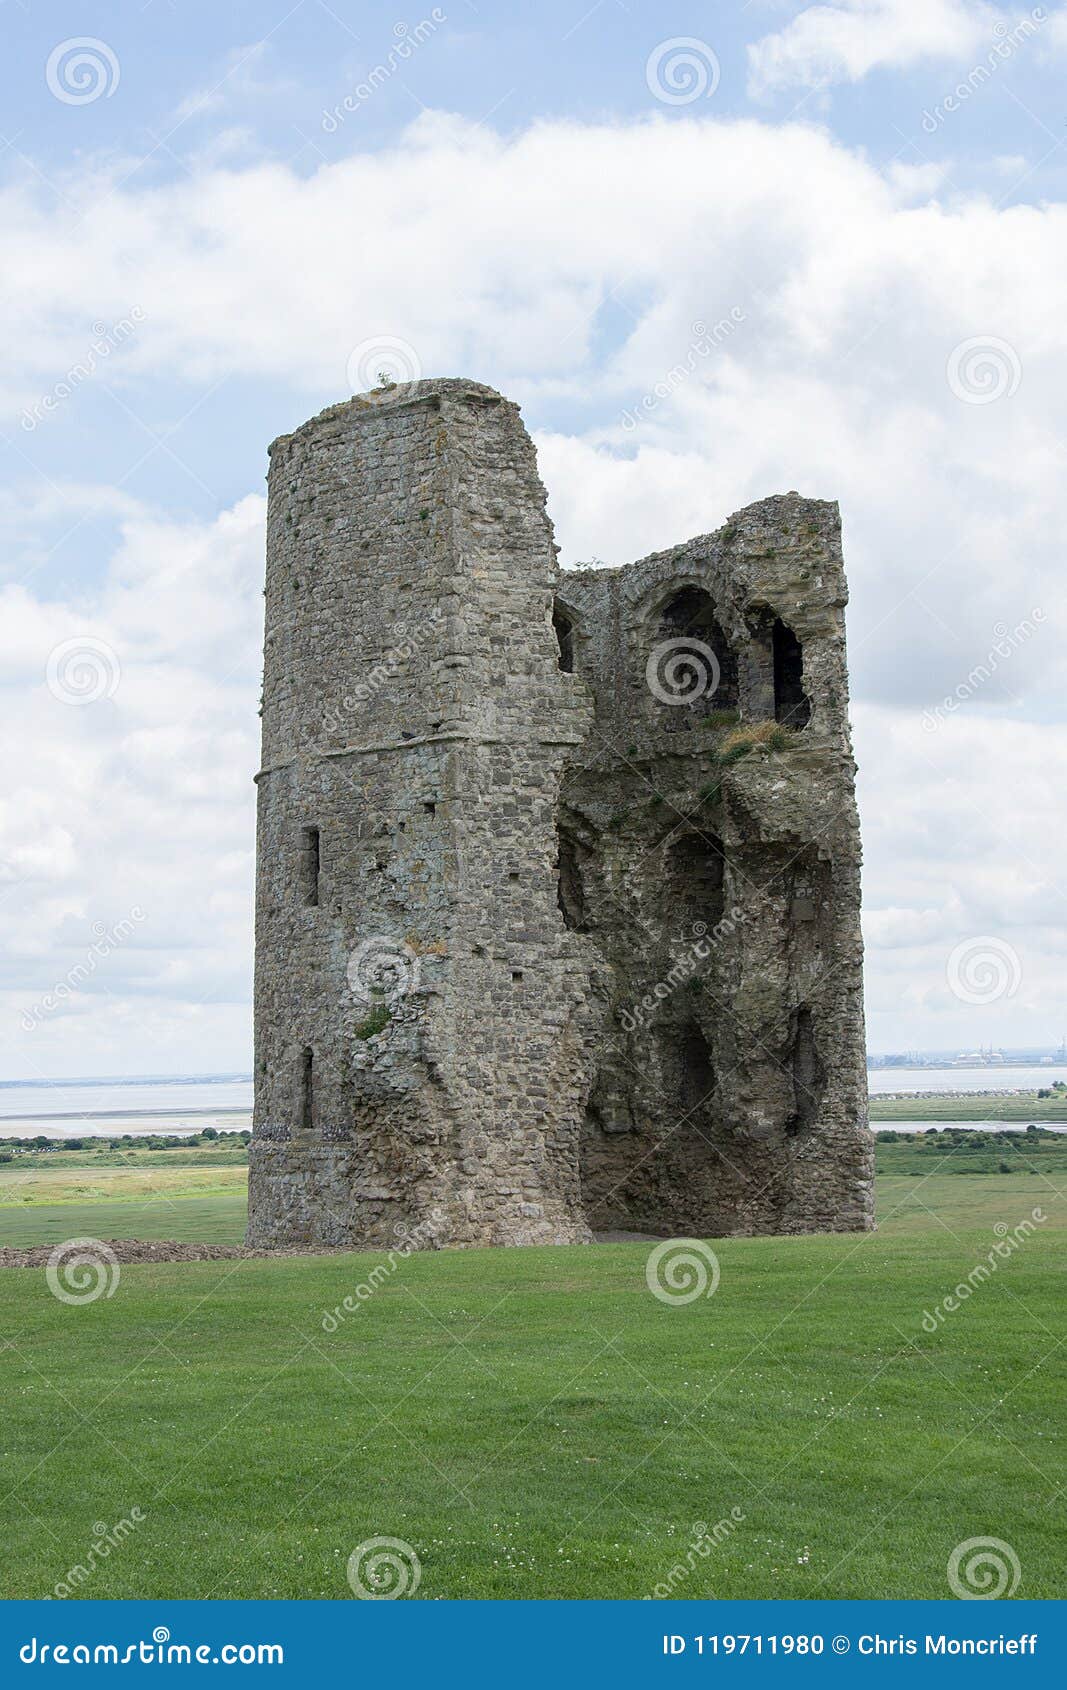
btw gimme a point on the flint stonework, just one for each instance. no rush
(557, 912)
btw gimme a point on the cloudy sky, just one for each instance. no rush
(215, 218)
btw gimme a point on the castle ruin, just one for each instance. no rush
(557, 917)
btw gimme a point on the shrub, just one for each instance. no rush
(376, 1022)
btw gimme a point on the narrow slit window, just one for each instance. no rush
(309, 866)
(307, 1095)
(564, 629)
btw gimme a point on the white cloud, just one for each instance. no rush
(126, 825)
(962, 846)
(844, 41)
(575, 288)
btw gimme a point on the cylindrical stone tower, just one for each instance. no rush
(423, 1020)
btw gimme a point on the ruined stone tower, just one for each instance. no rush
(557, 922)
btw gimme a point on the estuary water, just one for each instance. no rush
(187, 1104)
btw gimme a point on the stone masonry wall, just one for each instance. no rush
(486, 842)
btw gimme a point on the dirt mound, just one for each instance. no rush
(125, 1250)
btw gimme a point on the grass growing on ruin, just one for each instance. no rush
(536, 1423)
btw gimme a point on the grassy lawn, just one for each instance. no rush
(534, 1422)
(191, 1219)
(196, 1196)
(48, 1185)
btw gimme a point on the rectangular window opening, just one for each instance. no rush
(306, 1090)
(309, 866)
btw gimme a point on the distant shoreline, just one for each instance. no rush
(123, 1115)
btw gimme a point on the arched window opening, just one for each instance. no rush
(564, 629)
(703, 665)
(791, 703)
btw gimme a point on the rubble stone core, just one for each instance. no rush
(557, 912)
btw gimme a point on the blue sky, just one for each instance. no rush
(203, 241)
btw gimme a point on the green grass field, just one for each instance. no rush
(982, 1106)
(193, 1195)
(535, 1422)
